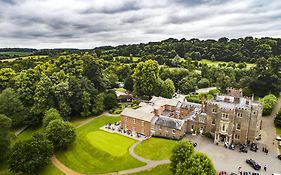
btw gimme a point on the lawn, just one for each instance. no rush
(50, 169)
(159, 170)
(216, 63)
(95, 151)
(27, 133)
(155, 148)
(119, 145)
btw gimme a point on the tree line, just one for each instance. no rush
(246, 49)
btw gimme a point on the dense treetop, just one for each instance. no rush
(246, 49)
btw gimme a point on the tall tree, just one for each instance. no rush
(181, 152)
(5, 125)
(30, 155)
(60, 133)
(50, 115)
(197, 163)
(146, 78)
(7, 76)
(12, 107)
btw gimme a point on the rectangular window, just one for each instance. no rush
(134, 121)
(214, 110)
(238, 126)
(236, 136)
(224, 115)
(213, 121)
(142, 123)
(239, 114)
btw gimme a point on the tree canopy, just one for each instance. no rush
(30, 155)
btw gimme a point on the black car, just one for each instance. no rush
(254, 147)
(253, 164)
(279, 157)
(243, 148)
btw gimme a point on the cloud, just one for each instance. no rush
(91, 23)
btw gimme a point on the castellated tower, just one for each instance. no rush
(232, 118)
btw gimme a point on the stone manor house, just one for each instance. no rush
(229, 118)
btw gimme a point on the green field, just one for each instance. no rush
(95, 151)
(216, 63)
(25, 57)
(135, 59)
(16, 53)
(155, 148)
(159, 170)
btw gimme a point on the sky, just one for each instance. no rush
(92, 23)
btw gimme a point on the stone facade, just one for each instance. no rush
(229, 118)
(233, 119)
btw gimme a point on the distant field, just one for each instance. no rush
(135, 59)
(16, 53)
(25, 57)
(216, 63)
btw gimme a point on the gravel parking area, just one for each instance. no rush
(228, 160)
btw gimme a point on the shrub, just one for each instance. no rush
(268, 102)
(277, 120)
(50, 115)
(60, 133)
(30, 155)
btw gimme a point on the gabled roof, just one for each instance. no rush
(169, 122)
(160, 101)
(145, 116)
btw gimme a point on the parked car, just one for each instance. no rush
(279, 157)
(253, 164)
(254, 147)
(243, 148)
(232, 147)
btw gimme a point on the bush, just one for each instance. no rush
(30, 155)
(50, 115)
(60, 133)
(268, 102)
(203, 83)
(277, 120)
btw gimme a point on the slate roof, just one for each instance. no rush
(169, 122)
(145, 116)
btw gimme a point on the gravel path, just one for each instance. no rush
(268, 131)
(19, 131)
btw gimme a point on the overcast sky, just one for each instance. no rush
(91, 23)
